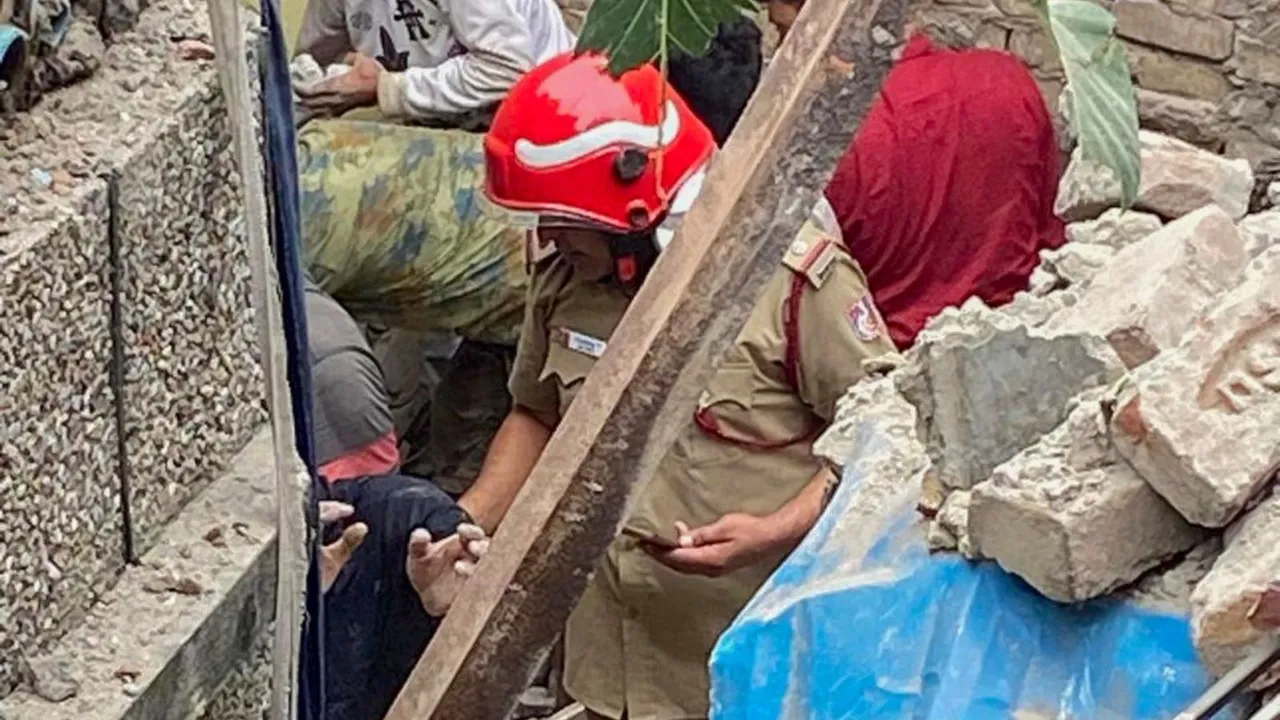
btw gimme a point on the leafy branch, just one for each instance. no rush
(1100, 106)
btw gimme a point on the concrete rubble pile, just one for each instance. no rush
(1113, 429)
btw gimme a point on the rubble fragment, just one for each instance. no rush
(1115, 228)
(953, 522)
(1075, 263)
(1177, 178)
(1221, 603)
(878, 400)
(1199, 422)
(1260, 232)
(1168, 588)
(52, 680)
(989, 386)
(1070, 517)
(1146, 299)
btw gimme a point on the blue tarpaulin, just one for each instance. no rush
(862, 622)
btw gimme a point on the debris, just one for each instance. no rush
(128, 673)
(216, 537)
(1168, 589)
(953, 522)
(52, 680)
(1221, 603)
(989, 386)
(1260, 232)
(1116, 228)
(189, 49)
(131, 689)
(879, 400)
(187, 586)
(1146, 299)
(1070, 517)
(1198, 422)
(1075, 263)
(1177, 178)
(932, 495)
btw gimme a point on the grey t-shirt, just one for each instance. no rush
(349, 396)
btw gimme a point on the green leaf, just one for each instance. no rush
(634, 32)
(1101, 105)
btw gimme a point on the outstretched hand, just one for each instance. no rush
(733, 542)
(334, 557)
(438, 569)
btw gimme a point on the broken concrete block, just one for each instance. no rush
(1146, 299)
(1074, 264)
(988, 386)
(876, 399)
(1273, 194)
(1260, 232)
(1199, 422)
(1223, 600)
(1071, 518)
(1177, 177)
(1116, 228)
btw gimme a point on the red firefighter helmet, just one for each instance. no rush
(572, 141)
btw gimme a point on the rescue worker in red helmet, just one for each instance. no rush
(609, 166)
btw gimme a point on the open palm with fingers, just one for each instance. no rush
(438, 569)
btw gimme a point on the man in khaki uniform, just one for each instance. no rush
(740, 488)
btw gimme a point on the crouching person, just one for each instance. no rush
(397, 547)
(740, 487)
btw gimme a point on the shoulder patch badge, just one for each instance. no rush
(863, 318)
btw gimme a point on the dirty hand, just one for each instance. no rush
(334, 557)
(358, 87)
(437, 570)
(730, 543)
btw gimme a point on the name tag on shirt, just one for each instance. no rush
(580, 343)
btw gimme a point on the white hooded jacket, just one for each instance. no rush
(444, 57)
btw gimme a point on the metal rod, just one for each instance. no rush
(1234, 682)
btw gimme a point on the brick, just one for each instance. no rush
(1070, 517)
(1195, 121)
(1222, 601)
(1163, 72)
(1198, 422)
(988, 386)
(1255, 61)
(1147, 298)
(1116, 228)
(1153, 23)
(1177, 178)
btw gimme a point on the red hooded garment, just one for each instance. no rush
(947, 190)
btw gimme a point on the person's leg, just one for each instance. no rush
(466, 411)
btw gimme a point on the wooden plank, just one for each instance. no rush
(643, 391)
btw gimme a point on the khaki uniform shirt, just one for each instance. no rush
(640, 638)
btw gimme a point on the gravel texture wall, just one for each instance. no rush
(125, 285)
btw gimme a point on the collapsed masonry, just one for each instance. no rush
(1113, 428)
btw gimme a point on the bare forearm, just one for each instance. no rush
(515, 450)
(790, 523)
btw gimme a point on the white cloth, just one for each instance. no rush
(446, 57)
